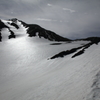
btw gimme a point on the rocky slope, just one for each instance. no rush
(32, 30)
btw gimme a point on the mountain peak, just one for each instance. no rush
(32, 30)
(13, 20)
(36, 30)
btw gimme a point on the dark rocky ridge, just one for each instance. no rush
(14, 20)
(93, 40)
(2, 25)
(15, 25)
(36, 30)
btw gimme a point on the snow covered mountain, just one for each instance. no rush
(32, 30)
(48, 68)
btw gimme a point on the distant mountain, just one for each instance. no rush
(32, 30)
(92, 39)
(36, 30)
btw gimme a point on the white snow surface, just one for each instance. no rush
(26, 73)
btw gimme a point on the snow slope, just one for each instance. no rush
(27, 73)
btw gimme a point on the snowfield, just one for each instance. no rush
(27, 73)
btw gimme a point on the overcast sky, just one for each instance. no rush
(69, 18)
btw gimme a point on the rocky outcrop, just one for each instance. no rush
(36, 30)
(2, 25)
(79, 50)
(95, 40)
(15, 25)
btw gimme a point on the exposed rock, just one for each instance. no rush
(36, 30)
(0, 36)
(12, 35)
(74, 50)
(15, 25)
(2, 25)
(64, 53)
(78, 53)
(14, 20)
(95, 40)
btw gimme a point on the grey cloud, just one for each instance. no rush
(70, 18)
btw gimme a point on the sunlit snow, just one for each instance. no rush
(26, 73)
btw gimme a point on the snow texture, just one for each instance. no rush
(27, 74)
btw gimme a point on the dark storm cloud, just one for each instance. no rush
(70, 18)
